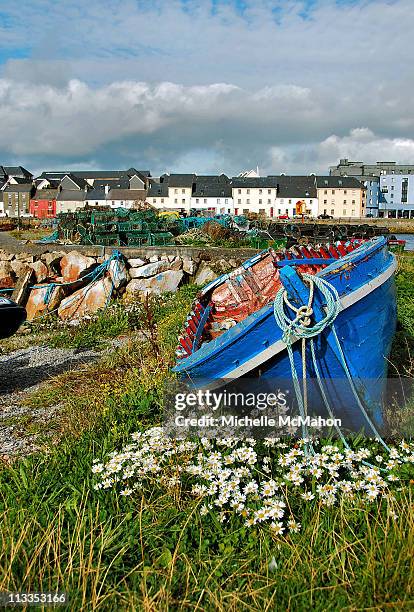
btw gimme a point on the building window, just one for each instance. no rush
(344, 212)
(279, 211)
(205, 200)
(175, 190)
(325, 192)
(247, 190)
(162, 200)
(248, 201)
(218, 200)
(332, 211)
(325, 201)
(239, 190)
(333, 191)
(353, 201)
(269, 201)
(154, 201)
(269, 191)
(260, 191)
(245, 211)
(260, 201)
(197, 200)
(290, 201)
(226, 201)
(183, 201)
(182, 190)
(344, 191)
(175, 201)
(353, 212)
(344, 201)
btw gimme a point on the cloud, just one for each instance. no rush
(206, 85)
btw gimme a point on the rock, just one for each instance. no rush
(118, 273)
(204, 274)
(36, 305)
(149, 269)
(87, 300)
(74, 265)
(136, 263)
(22, 288)
(41, 271)
(189, 266)
(176, 264)
(162, 283)
(153, 258)
(19, 267)
(5, 256)
(7, 276)
(27, 257)
(52, 260)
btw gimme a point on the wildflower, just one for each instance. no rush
(294, 526)
(308, 496)
(277, 528)
(126, 492)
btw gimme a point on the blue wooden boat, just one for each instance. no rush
(232, 332)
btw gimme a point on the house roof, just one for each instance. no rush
(80, 182)
(339, 182)
(127, 194)
(45, 194)
(19, 180)
(71, 195)
(254, 182)
(158, 189)
(26, 187)
(181, 180)
(293, 186)
(121, 183)
(211, 189)
(17, 171)
(97, 193)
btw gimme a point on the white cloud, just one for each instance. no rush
(166, 86)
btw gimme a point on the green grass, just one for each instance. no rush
(153, 551)
(31, 234)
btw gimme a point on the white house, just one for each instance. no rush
(294, 189)
(254, 195)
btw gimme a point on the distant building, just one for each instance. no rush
(158, 193)
(180, 190)
(43, 204)
(126, 198)
(16, 199)
(213, 194)
(70, 200)
(340, 196)
(293, 189)
(396, 197)
(254, 195)
(360, 170)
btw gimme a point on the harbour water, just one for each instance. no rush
(409, 240)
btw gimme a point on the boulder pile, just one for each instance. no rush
(73, 284)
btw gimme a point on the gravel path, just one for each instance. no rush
(22, 372)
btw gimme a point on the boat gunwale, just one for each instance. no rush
(343, 264)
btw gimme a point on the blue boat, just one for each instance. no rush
(232, 331)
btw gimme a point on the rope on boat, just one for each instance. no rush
(300, 327)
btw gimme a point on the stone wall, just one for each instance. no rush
(63, 280)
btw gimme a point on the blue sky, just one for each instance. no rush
(205, 85)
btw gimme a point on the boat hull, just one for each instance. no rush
(365, 327)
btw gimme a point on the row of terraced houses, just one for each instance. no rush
(352, 189)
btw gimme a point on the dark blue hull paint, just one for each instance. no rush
(365, 329)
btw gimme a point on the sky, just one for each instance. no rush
(205, 86)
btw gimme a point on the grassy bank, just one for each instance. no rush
(154, 550)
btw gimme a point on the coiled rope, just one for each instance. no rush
(300, 328)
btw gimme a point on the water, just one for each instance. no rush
(409, 238)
